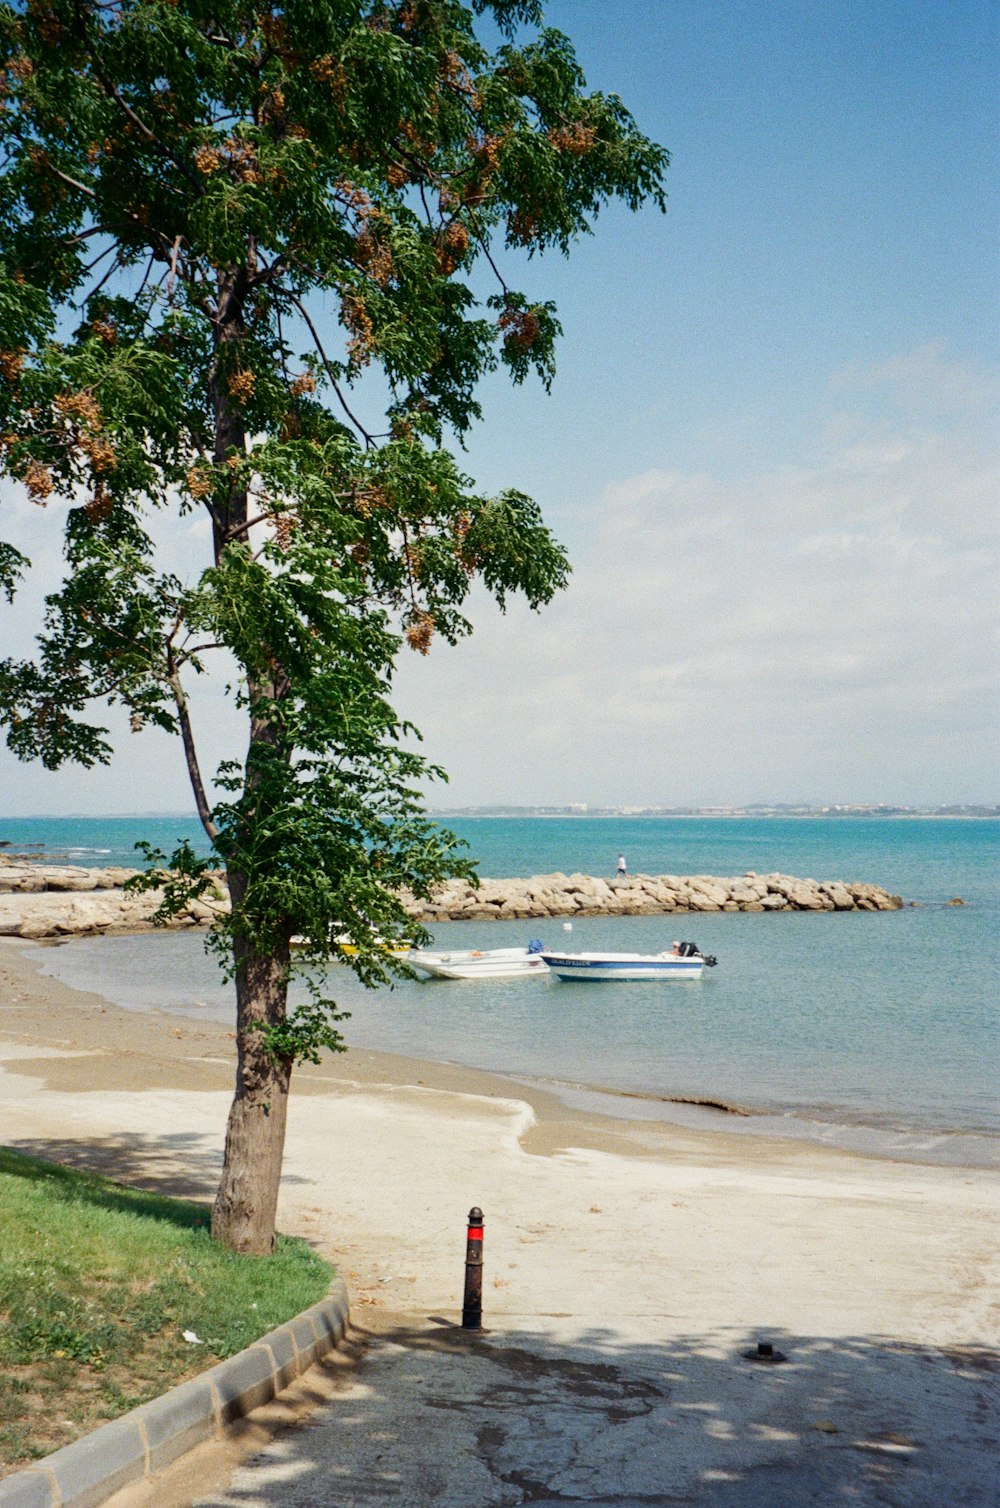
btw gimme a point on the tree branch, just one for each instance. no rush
(484, 244)
(174, 253)
(115, 267)
(189, 652)
(190, 751)
(83, 188)
(130, 115)
(245, 528)
(369, 441)
(73, 182)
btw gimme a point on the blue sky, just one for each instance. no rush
(771, 446)
(832, 200)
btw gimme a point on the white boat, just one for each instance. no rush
(683, 961)
(475, 963)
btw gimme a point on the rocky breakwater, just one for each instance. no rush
(44, 900)
(66, 900)
(567, 895)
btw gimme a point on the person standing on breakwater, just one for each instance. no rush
(622, 871)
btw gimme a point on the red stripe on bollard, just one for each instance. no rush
(472, 1305)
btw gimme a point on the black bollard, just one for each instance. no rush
(472, 1304)
(765, 1353)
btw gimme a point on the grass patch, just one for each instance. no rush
(98, 1282)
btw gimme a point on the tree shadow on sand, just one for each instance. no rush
(182, 1165)
(435, 1415)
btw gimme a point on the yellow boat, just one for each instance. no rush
(398, 949)
(348, 949)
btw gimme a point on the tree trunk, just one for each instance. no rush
(243, 1216)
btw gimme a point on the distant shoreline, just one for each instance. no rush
(611, 816)
(545, 814)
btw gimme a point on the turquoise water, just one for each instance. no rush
(921, 858)
(872, 1029)
(95, 841)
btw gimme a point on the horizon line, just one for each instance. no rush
(573, 809)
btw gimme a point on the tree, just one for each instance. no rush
(231, 230)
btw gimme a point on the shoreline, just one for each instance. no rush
(474, 814)
(83, 1046)
(143, 1099)
(564, 1112)
(111, 1046)
(912, 1139)
(935, 1147)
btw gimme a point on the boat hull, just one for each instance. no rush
(342, 947)
(495, 963)
(608, 966)
(351, 950)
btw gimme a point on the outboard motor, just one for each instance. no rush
(690, 950)
(536, 945)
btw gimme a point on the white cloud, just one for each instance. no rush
(820, 632)
(814, 632)
(924, 380)
(148, 771)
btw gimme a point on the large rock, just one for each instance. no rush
(15, 878)
(714, 891)
(66, 900)
(68, 877)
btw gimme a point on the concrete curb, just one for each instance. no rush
(86, 1473)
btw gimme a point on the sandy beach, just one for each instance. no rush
(669, 1250)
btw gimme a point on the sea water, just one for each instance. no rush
(869, 1029)
(922, 858)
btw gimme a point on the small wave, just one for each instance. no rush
(701, 1102)
(81, 849)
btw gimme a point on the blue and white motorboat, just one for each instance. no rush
(683, 961)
